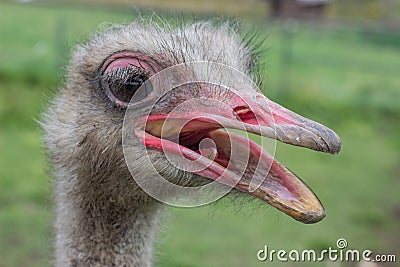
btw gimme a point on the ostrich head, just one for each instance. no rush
(111, 77)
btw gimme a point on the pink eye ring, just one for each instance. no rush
(123, 74)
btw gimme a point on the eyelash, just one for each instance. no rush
(123, 74)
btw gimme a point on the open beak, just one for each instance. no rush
(199, 136)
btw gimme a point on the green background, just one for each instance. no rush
(346, 77)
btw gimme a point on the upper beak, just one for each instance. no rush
(289, 127)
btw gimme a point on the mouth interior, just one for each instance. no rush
(236, 161)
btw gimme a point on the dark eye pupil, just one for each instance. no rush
(126, 90)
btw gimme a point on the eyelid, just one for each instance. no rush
(136, 58)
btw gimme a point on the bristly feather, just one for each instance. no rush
(255, 40)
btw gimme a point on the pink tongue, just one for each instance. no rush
(208, 149)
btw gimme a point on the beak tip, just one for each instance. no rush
(334, 144)
(314, 218)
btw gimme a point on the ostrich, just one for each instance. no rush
(103, 217)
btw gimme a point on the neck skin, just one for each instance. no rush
(93, 228)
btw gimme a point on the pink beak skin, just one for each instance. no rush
(251, 112)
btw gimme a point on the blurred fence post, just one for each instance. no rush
(287, 28)
(60, 42)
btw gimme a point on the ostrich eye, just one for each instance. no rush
(124, 78)
(125, 83)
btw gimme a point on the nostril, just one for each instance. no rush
(245, 114)
(240, 110)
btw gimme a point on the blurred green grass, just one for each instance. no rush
(338, 77)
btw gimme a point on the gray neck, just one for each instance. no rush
(95, 228)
